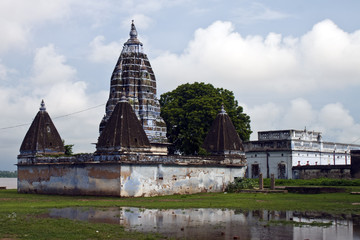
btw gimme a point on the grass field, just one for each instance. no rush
(19, 213)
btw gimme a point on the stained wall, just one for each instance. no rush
(70, 179)
(125, 178)
(159, 179)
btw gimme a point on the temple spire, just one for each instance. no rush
(133, 44)
(133, 80)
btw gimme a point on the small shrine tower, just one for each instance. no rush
(222, 138)
(42, 138)
(123, 133)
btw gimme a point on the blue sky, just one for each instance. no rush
(290, 64)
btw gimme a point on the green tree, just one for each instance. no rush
(8, 174)
(189, 111)
(68, 148)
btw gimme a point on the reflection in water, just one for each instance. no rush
(209, 223)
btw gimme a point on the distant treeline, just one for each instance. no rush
(8, 174)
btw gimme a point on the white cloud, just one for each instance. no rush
(324, 58)
(55, 81)
(264, 117)
(49, 67)
(5, 71)
(330, 56)
(257, 12)
(101, 52)
(299, 115)
(148, 6)
(338, 123)
(335, 116)
(275, 67)
(333, 119)
(141, 21)
(17, 20)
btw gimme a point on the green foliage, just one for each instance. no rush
(189, 111)
(68, 148)
(314, 182)
(242, 183)
(8, 174)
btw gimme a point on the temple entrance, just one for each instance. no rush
(281, 171)
(255, 171)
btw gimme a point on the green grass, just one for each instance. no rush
(32, 227)
(19, 213)
(11, 201)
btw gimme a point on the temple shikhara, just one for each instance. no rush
(134, 79)
(131, 157)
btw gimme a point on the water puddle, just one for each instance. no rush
(209, 223)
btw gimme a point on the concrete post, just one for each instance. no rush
(261, 182)
(272, 182)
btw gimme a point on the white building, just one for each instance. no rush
(276, 152)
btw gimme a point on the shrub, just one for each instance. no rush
(314, 182)
(242, 183)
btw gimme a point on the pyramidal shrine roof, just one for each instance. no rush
(42, 136)
(222, 137)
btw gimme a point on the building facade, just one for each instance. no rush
(278, 152)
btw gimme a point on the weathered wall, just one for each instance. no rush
(159, 179)
(70, 179)
(129, 175)
(330, 171)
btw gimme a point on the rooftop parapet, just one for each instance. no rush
(141, 159)
(289, 135)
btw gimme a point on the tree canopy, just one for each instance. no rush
(189, 111)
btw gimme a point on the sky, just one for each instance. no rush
(291, 64)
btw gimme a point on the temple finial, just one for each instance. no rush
(132, 44)
(133, 32)
(222, 111)
(42, 106)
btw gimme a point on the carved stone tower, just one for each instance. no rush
(134, 78)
